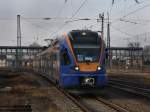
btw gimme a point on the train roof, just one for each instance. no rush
(82, 31)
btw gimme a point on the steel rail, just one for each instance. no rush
(81, 105)
(76, 102)
(129, 84)
(107, 104)
(111, 105)
(131, 89)
(16, 108)
(133, 84)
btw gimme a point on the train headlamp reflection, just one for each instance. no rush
(98, 68)
(76, 68)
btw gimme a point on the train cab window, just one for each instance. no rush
(65, 60)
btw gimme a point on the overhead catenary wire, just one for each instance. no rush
(58, 14)
(73, 15)
(134, 0)
(140, 20)
(130, 6)
(130, 13)
(130, 21)
(7, 19)
(37, 26)
(125, 33)
(61, 9)
(69, 18)
(135, 22)
(83, 3)
(36, 36)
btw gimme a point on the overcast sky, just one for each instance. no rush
(133, 26)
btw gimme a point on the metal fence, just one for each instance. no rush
(17, 57)
(120, 58)
(127, 59)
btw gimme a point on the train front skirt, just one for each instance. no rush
(84, 80)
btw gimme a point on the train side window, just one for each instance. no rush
(65, 60)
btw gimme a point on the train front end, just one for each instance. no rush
(83, 60)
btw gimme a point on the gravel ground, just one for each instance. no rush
(95, 105)
(128, 101)
(142, 79)
(28, 89)
(131, 102)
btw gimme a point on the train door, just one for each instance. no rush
(64, 60)
(55, 63)
(51, 65)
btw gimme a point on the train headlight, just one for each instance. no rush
(76, 68)
(98, 68)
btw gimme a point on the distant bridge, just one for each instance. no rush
(24, 50)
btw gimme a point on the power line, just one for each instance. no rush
(134, 36)
(128, 21)
(4, 19)
(51, 18)
(130, 35)
(61, 9)
(60, 28)
(140, 20)
(134, 0)
(38, 26)
(83, 3)
(139, 23)
(78, 9)
(130, 13)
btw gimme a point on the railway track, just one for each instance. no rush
(18, 108)
(96, 102)
(111, 105)
(80, 105)
(106, 104)
(129, 87)
(85, 108)
(135, 84)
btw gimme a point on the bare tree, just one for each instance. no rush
(34, 44)
(134, 44)
(147, 54)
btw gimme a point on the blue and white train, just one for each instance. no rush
(76, 59)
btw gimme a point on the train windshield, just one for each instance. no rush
(86, 54)
(86, 46)
(84, 38)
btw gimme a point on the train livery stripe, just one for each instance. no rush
(90, 67)
(69, 44)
